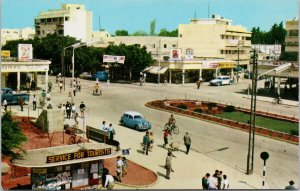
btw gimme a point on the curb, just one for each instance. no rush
(153, 107)
(271, 102)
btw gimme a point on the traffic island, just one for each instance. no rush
(209, 111)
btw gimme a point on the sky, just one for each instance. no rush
(134, 15)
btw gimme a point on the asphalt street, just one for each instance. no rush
(226, 145)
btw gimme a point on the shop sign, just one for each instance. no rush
(28, 68)
(39, 170)
(5, 53)
(227, 65)
(24, 52)
(78, 155)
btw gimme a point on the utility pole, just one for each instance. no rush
(250, 156)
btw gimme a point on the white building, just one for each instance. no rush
(267, 51)
(72, 19)
(16, 34)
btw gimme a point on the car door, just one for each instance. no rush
(130, 121)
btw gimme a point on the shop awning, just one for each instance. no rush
(156, 70)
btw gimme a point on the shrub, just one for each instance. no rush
(295, 132)
(229, 108)
(211, 105)
(198, 110)
(182, 106)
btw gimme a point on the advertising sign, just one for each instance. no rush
(24, 52)
(5, 53)
(112, 58)
(175, 54)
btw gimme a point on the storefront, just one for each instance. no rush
(66, 167)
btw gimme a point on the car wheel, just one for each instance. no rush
(230, 83)
(218, 84)
(136, 127)
(122, 123)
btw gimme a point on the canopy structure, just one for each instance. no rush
(156, 70)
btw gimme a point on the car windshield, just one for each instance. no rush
(137, 117)
(219, 78)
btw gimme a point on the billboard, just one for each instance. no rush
(175, 54)
(112, 58)
(5, 53)
(24, 52)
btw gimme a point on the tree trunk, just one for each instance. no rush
(130, 74)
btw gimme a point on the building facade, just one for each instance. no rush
(16, 34)
(291, 39)
(215, 38)
(72, 19)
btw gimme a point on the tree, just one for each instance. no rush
(152, 27)
(140, 33)
(165, 32)
(121, 33)
(275, 35)
(12, 135)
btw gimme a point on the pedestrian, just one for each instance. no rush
(125, 166)
(76, 118)
(291, 186)
(167, 133)
(151, 139)
(146, 143)
(50, 86)
(168, 165)
(111, 132)
(78, 86)
(212, 182)
(219, 177)
(198, 84)
(21, 102)
(74, 91)
(5, 105)
(119, 164)
(82, 108)
(59, 106)
(73, 108)
(68, 110)
(48, 96)
(64, 109)
(205, 181)
(187, 142)
(109, 182)
(225, 183)
(49, 103)
(60, 86)
(165, 81)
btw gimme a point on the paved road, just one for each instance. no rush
(221, 143)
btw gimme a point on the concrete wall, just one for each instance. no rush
(51, 120)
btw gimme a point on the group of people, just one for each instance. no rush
(217, 181)
(75, 85)
(122, 166)
(110, 131)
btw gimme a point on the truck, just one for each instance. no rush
(11, 97)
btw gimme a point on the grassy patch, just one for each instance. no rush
(273, 124)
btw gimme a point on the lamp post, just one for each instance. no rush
(74, 46)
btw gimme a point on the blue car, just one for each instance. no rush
(135, 120)
(101, 75)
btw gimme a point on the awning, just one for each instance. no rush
(156, 70)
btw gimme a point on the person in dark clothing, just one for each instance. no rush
(205, 181)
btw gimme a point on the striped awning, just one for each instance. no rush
(156, 70)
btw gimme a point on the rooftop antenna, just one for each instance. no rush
(99, 24)
(208, 10)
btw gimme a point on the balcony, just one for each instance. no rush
(235, 56)
(235, 42)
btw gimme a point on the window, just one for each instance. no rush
(180, 35)
(60, 19)
(49, 20)
(222, 51)
(66, 18)
(137, 117)
(130, 117)
(60, 32)
(165, 45)
(248, 38)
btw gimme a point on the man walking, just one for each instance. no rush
(5, 105)
(119, 168)
(166, 135)
(82, 108)
(205, 181)
(21, 102)
(168, 165)
(34, 103)
(146, 142)
(187, 142)
(109, 182)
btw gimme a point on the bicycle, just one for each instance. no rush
(172, 127)
(277, 100)
(73, 131)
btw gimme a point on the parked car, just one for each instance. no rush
(101, 75)
(221, 80)
(135, 120)
(11, 97)
(85, 75)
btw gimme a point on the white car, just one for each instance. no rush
(221, 80)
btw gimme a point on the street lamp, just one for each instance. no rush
(74, 46)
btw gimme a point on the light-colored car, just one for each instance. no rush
(221, 80)
(135, 120)
(85, 75)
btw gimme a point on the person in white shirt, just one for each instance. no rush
(119, 168)
(5, 104)
(225, 183)
(212, 182)
(109, 182)
(73, 110)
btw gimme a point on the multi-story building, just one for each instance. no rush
(215, 38)
(16, 34)
(291, 39)
(72, 19)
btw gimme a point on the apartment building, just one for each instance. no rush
(72, 19)
(215, 38)
(16, 34)
(291, 39)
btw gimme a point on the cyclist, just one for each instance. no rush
(171, 121)
(278, 100)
